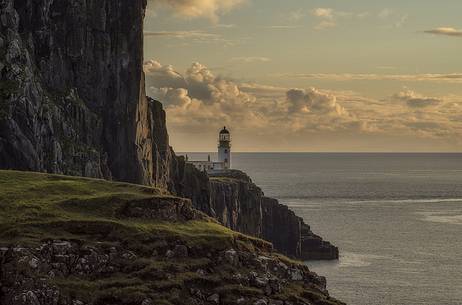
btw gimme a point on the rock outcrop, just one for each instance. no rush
(241, 205)
(60, 272)
(291, 235)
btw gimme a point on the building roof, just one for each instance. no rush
(224, 131)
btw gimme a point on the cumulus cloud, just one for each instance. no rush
(200, 95)
(197, 100)
(313, 101)
(161, 76)
(415, 100)
(327, 18)
(327, 13)
(446, 31)
(210, 9)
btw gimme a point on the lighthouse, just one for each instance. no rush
(224, 148)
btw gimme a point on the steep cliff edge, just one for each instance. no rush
(78, 241)
(241, 205)
(72, 89)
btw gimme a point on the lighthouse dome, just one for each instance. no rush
(224, 131)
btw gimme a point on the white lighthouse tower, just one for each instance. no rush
(224, 148)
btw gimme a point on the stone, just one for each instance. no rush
(34, 263)
(147, 302)
(260, 282)
(169, 254)
(201, 272)
(232, 257)
(31, 298)
(260, 302)
(296, 274)
(214, 298)
(181, 251)
(129, 255)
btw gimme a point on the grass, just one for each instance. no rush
(37, 207)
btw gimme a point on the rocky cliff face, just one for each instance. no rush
(72, 89)
(291, 235)
(240, 205)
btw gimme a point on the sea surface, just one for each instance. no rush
(397, 219)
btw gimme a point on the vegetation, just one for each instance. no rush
(33, 206)
(36, 208)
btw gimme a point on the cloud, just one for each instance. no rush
(200, 95)
(225, 26)
(210, 9)
(329, 17)
(446, 31)
(326, 13)
(450, 78)
(251, 59)
(325, 25)
(182, 34)
(282, 27)
(198, 101)
(313, 101)
(385, 13)
(190, 36)
(415, 100)
(163, 76)
(296, 15)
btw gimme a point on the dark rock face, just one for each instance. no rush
(282, 227)
(236, 204)
(72, 89)
(291, 235)
(161, 208)
(240, 205)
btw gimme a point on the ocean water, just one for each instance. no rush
(397, 219)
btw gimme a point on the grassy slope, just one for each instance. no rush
(37, 207)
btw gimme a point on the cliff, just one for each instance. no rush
(79, 241)
(72, 89)
(72, 101)
(241, 205)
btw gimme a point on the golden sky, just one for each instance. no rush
(306, 75)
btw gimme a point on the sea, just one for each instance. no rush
(396, 217)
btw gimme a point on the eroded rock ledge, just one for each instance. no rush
(47, 273)
(241, 205)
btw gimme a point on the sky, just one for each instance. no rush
(306, 75)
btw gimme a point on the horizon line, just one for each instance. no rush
(325, 152)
